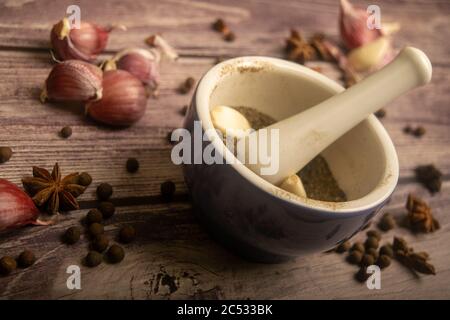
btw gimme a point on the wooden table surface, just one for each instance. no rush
(173, 256)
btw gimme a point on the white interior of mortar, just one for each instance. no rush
(363, 161)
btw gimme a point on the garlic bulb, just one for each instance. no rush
(85, 43)
(73, 80)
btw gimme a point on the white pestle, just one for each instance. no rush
(305, 135)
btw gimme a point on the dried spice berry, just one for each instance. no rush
(7, 265)
(66, 132)
(383, 261)
(219, 25)
(420, 217)
(183, 110)
(387, 251)
(387, 222)
(374, 233)
(372, 252)
(358, 246)
(96, 229)
(5, 154)
(407, 129)
(419, 131)
(115, 253)
(343, 247)
(430, 177)
(84, 179)
(72, 235)
(93, 259)
(355, 257)
(229, 36)
(187, 85)
(380, 113)
(132, 165)
(362, 274)
(127, 234)
(167, 190)
(104, 191)
(100, 243)
(371, 242)
(367, 260)
(107, 209)
(26, 259)
(51, 192)
(94, 215)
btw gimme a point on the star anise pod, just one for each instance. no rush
(419, 217)
(51, 192)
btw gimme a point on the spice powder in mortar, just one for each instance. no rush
(316, 176)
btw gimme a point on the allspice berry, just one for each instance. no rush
(26, 259)
(371, 242)
(374, 233)
(72, 235)
(362, 274)
(7, 265)
(66, 132)
(5, 154)
(107, 209)
(354, 257)
(383, 261)
(100, 243)
(94, 215)
(387, 222)
(132, 165)
(127, 234)
(367, 260)
(84, 179)
(93, 259)
(358, 246)
(115, 253)
(230, 36)
(96, 229)
(167, 190)
(387, 250)
(373, 252)
(104, 191)
(343, 247)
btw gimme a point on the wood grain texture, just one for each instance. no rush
(174, 257)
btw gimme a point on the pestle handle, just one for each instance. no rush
(305, 135)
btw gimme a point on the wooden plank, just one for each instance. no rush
(171, 245)
(260, 26)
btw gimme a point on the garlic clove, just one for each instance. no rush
(73, 80)
(293, 184)
(142, 63)
(369, 55)
(124, 100)
(229, 121)
(353, 26)
(84, 43)
(158, 42)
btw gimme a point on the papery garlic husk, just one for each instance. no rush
(229, 121)
(293, 184)
(124, 99)
(16, 207)
(353, 26)
(158, 42)
(142, 63)
(370, 55)
(85, 43)
(73, 80)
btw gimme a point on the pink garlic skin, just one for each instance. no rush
(353, 26)
(16, 207)
(84, 44)
(73, 80)
(141, 67)
(124, 99)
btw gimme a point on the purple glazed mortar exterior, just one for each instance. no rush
(258, 225)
